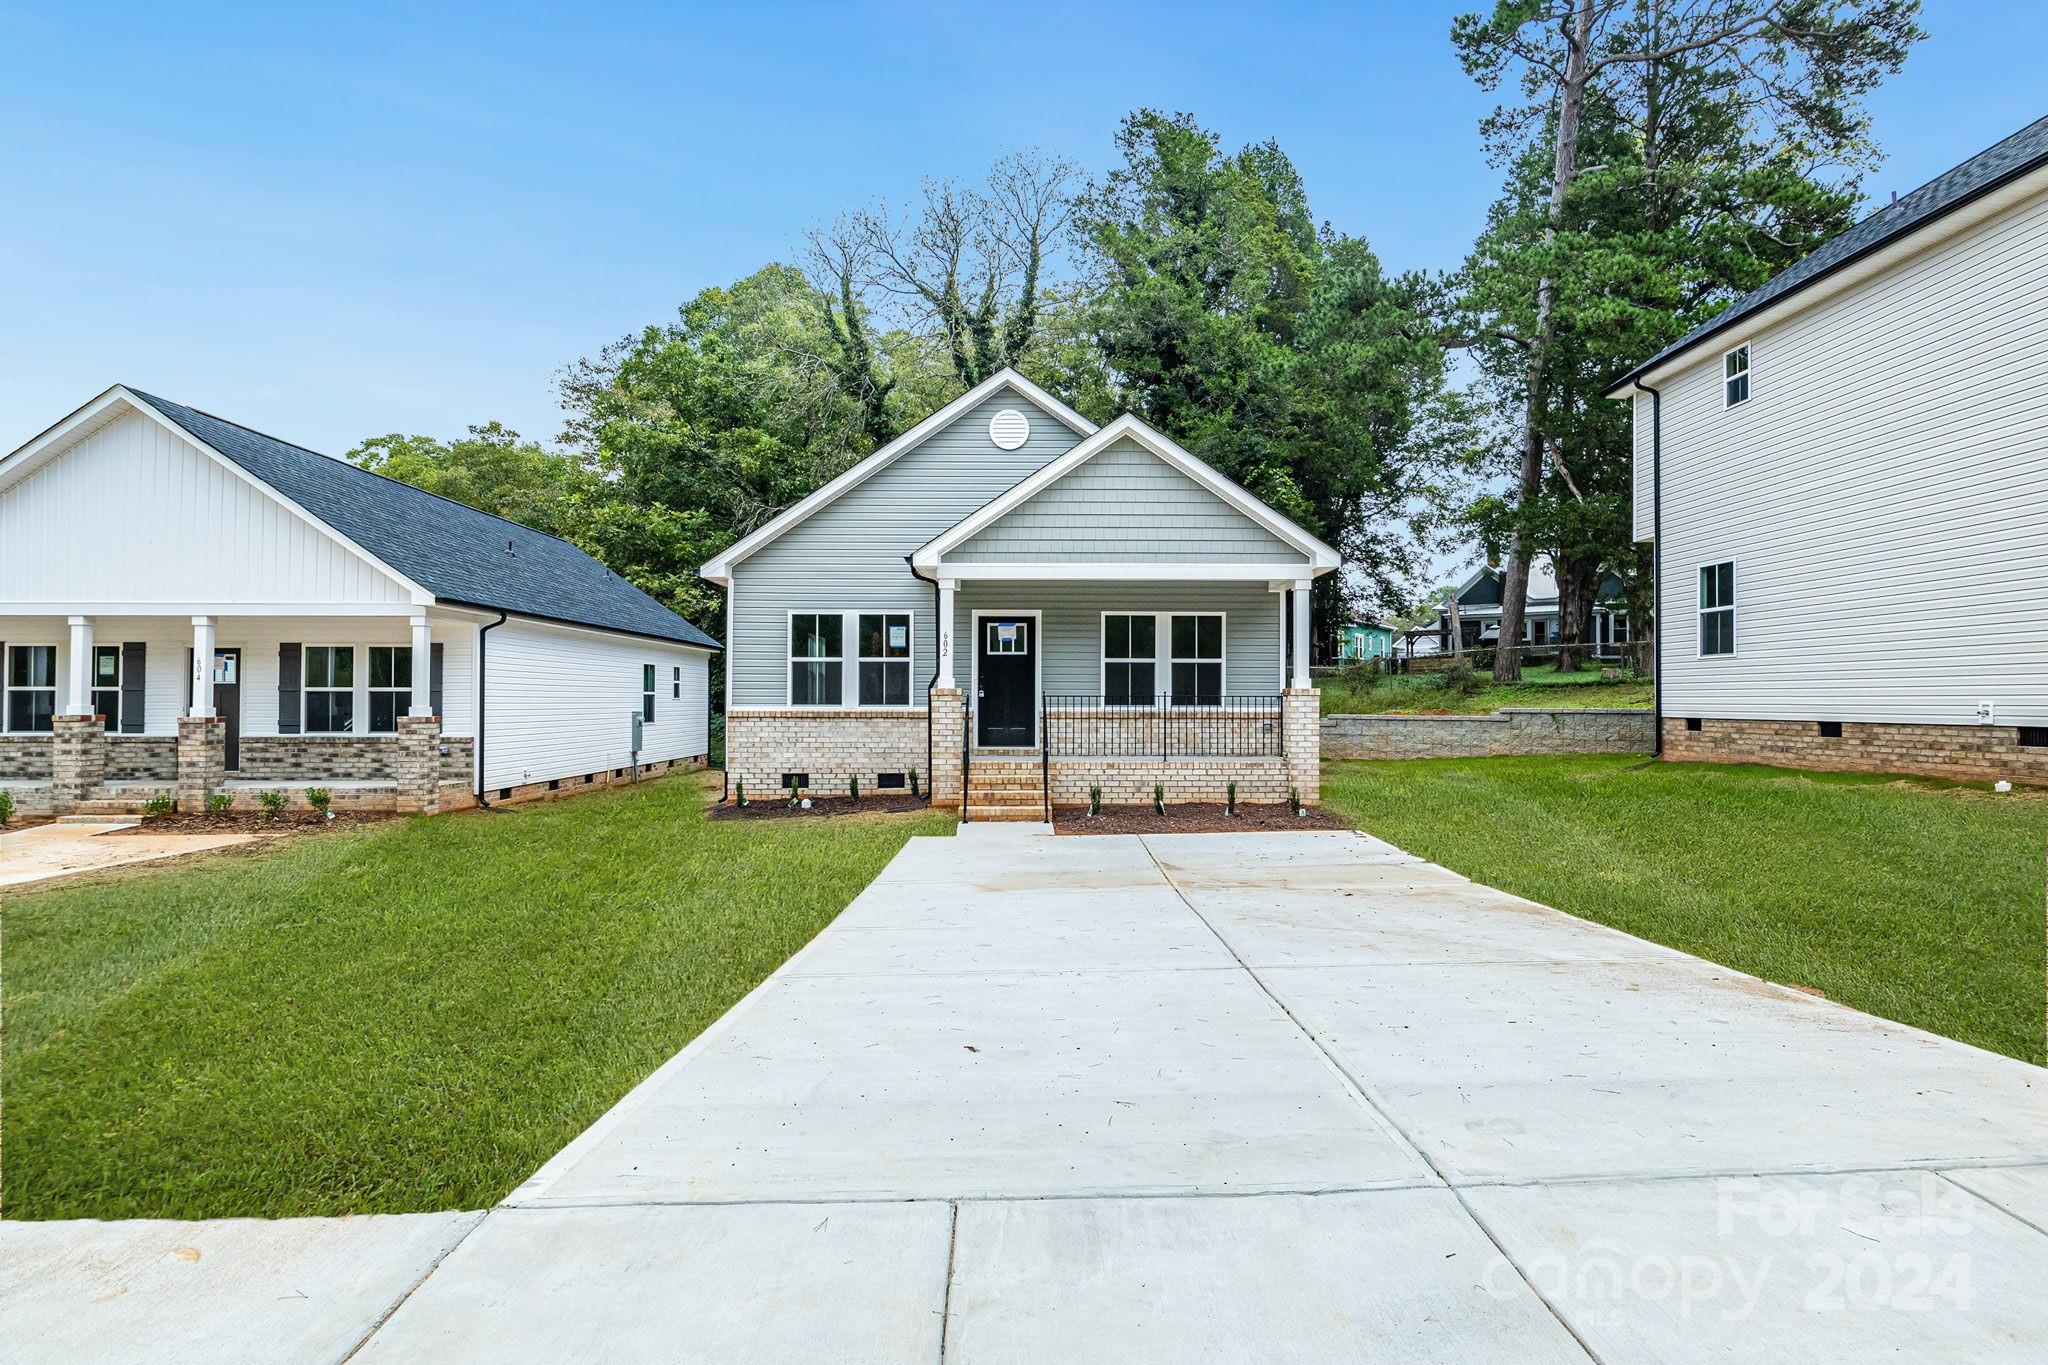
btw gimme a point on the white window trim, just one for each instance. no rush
(1700, 612)
(1163, 658)
(650, 688)
(974, 617)
(8, 689)
(1103, 660)
(675, 682)
(850, 629)
(849, 659)
(352, 690)
(1748, 375)
(94, 688)
(371, 691)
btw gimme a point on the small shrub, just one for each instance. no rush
(853, 787)
(220, 803)
(319, 798)
(1230, 799)
(1095, 798)
(1294, 800)
(272, 803)
(1158, 798)
(6, 807)
(793, 797)
(157, 807)
(739, 793)
(915, 793)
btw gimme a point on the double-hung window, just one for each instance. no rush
(817, 658)
(330, 689)
(675, 683)
(884, 658)
(390, 686)
(1717, 608)
(106, 684)
(1130, 650)
(1735, 376)
(647, 684)
(31, 687)
(1197, 660)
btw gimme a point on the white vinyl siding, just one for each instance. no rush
(560, 703)
(1882, 496)
(134, 513)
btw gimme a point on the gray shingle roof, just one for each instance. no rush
(453, 551)
(1981, 174)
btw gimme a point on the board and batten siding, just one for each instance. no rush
(559, 702)
(1071, 635)
(852, 554)
(134, 513)
(167, 642)
(1125, 504)
(1881, 495)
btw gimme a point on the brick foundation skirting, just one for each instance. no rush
(1129, 781)
(142, 758)
(1968, 753)
(581, 783)
(25, 758)
(763, 743)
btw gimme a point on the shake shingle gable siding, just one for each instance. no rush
(457, 553)
(1951, 190)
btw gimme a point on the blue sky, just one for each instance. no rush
(331, 224)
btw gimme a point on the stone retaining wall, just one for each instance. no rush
(1968, 753)
(1517, 731)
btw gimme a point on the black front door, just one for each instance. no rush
(1006, 681)
(227, 700)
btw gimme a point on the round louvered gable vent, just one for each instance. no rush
(1009, 429)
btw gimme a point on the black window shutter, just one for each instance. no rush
(434, 679)
(289, 673)
(132, 666)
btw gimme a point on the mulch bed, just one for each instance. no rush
(778, 807)
(251, 822)
(1194, 818)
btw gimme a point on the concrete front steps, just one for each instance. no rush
(1006, 789)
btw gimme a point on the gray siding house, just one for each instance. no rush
(1014, 606)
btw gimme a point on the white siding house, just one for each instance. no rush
(189, 608)
(1846, 474)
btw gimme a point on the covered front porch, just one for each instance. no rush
(103, 712)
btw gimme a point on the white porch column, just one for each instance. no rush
(422, 667)
(1301, 673)
(202, 666)
(78, 697)
(947, 587)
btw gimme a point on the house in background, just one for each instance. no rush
(1006, 594)
(190, 608)
(1864, 441)
(1361, 640)
(1478, 614)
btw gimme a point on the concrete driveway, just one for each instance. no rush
(1275, 1097)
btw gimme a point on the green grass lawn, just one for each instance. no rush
(1919, 901)
(1358, 691)
(409, 1017)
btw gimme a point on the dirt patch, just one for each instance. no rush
(1193, 818)
(251, 822)
(822, 807)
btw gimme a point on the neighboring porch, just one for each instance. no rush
(104, 713)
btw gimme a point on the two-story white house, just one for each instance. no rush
(1845, 475)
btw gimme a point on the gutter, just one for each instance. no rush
(482, 631)
(937, 625)
(1656, 568)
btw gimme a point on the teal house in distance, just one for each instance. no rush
(1360, 640)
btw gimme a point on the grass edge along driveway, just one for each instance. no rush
(406, 1018)
(1918, 901)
